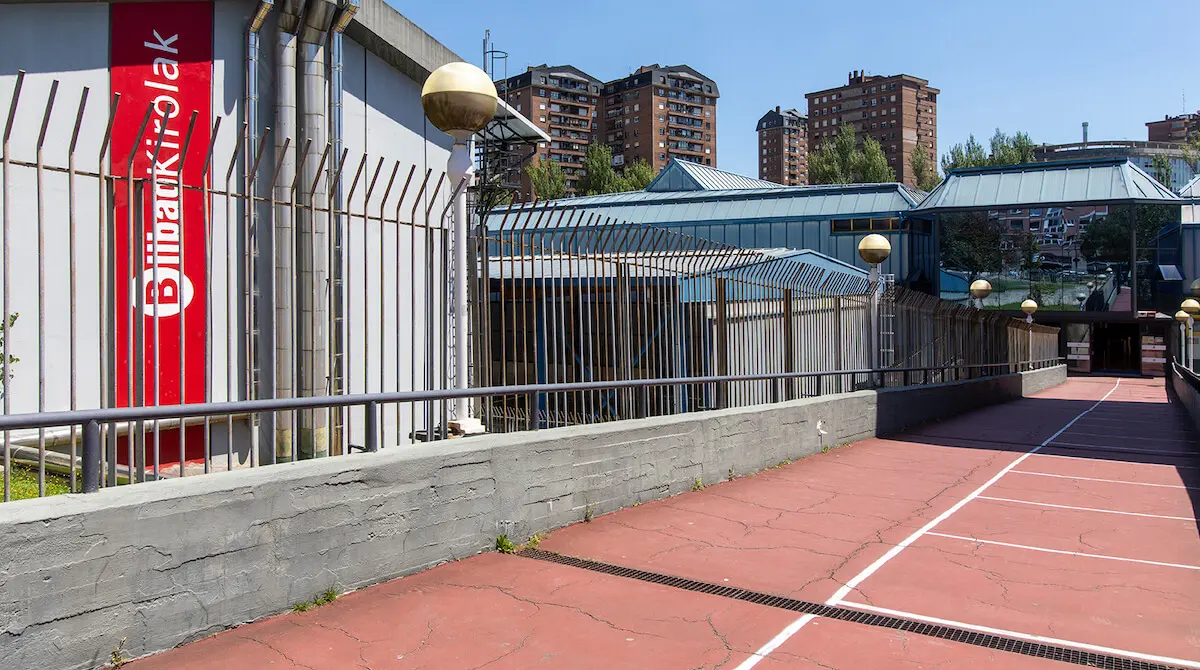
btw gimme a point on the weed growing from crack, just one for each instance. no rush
(533, 541)
(698, 485)
(731, 477)
(117, 657)
(505, 545)
(589, 512)
(327, 596)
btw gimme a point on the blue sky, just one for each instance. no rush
(1041, 67)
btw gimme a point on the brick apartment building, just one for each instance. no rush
(898, 111)
(783, 147)
(563, 101)
(1173, 128)
(659, 113)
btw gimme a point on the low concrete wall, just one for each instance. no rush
(1187, 396)
(164, 563)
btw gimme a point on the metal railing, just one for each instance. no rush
(306, 308)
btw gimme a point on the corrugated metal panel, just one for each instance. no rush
(687, 176)
(1077, 182)
(1191, 189)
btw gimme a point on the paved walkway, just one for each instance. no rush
(1055, 528)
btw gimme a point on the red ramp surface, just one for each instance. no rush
(1054, 530)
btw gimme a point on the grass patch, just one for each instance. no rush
(25, 483)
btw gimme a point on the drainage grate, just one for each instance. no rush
(1038, 650)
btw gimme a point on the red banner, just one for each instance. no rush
(161, 60)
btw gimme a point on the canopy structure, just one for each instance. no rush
(509, 127)
(1099, 181)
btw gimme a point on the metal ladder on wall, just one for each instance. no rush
(887, 322)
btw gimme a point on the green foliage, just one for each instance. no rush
(589, 513)
(698, 485)
(534, 541)
(1108, 239)
(1005, 150)
(971, 242)
(117, 657)
(548, 180)
(599, 176)
(505, 545)
(924, 175)
(1162, 170)
(843, 161)
(638, 175)
(1191, 151)
(324, 598)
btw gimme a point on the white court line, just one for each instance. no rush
(1109, 460)
(1088, 509)
(1082, 646)
(796, 625)
(1109, 481)
(1131, 450)
(1068, 553)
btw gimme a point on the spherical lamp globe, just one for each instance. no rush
(874, 248)
(459, 99)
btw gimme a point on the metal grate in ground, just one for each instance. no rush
(1063, 654)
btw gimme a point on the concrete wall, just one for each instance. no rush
(1186, 395)
(169, 562)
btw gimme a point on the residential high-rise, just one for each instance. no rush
(659, 113)
(783, 147)
(1173, 128)
(563, 101)
(899, 111)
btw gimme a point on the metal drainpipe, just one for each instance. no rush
(336, 360)
(312, 266)
(283, 230)
(253, 57)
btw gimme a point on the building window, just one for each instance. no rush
(540, 118)
(881, 225)
(541, 105)
(543, 79)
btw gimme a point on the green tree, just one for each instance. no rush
(971, 242)
(1162, 170)
(1191, 151)
(637, 176)
(924, 174)
(1004, 150)
(843, 161)
(599, 176)
(549, 182)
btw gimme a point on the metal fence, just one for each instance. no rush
(229, 299)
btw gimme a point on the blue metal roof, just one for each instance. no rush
(1077, 182)
(688, 176)
(778, 203)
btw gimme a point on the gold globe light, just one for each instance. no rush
(1196, 288)
(1190, 306)
(874, 248)
(981, 288)
(1029, 306)
(459, 99)
(1181, 316)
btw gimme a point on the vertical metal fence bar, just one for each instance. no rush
(179, 187)
(6, 224)
(72, 254)
(41, 284)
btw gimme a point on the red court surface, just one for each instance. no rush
(1067, 519)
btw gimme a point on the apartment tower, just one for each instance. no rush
(783, 147)
(899, 111)
(563, 101)
(659, 113)
(1173, 128)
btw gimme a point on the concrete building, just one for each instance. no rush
(1141, 154)
(899, 111)
(564, 102)
(294, 86)
(1173, 128)
(660, 113)
(783, 147)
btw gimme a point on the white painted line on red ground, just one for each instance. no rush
(1109, 460)
(1128, 450)
(1067, 553)
(1082, 646)
(796, 625)
(1107, 481)
(1087, 509)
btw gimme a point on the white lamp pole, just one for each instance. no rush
(460, 99)
(874, 249)
(1190, 307)
(1029, 307)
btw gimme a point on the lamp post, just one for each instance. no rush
(1183, 317)
(1029, 306)
(1190, 307)
(460, 100)
(1196, 289)
(981, 289)
(1081, 298)
(874, 249)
